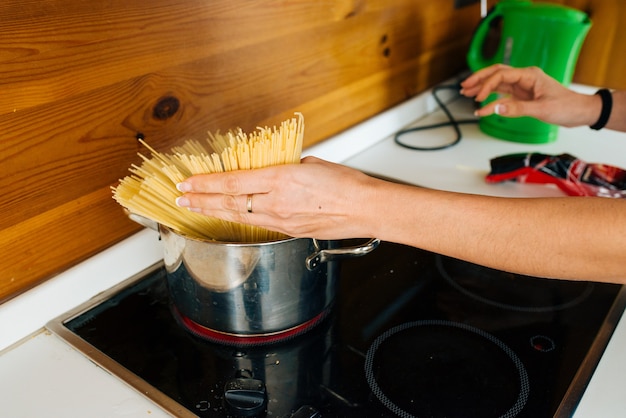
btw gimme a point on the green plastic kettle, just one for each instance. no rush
(545, 35)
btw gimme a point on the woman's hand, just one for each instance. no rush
(530, 92)
(314, 199)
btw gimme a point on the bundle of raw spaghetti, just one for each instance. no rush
(150, 190)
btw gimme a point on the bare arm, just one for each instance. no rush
(530, 92)
(574, 238)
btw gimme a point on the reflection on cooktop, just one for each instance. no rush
(511, 291)
(411, 334)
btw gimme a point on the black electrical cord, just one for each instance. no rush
(451, 122)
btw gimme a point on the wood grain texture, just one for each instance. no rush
(601, 61)
(80, 80)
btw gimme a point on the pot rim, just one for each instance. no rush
(228, 243)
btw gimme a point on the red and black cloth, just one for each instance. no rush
(570, 174)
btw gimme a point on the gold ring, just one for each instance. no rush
(249, 203)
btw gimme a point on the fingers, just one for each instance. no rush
(522, 89)
(284, 198)
(499, 107)
(231, 194)
(513, 108)
(504, 107)
(243, 182)
(503, 82)
(235, 209)
(260, 211)
(477, 78)
(221, 202)
(475, 83)
(228, 192)
(502, 79)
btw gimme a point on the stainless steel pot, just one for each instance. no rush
(252, 289)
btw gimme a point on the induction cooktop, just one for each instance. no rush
(410, 334)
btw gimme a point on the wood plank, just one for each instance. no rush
(80, 80)
(46, 244)
(129, 39)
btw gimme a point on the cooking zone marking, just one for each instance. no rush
(379, 393)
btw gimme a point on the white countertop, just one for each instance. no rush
(41, 375)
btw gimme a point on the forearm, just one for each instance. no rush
(555, 237)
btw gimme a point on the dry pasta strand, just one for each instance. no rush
(150, 189)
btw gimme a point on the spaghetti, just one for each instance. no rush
(150, 190)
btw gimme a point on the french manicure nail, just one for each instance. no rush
(183, 186)
(182, 202)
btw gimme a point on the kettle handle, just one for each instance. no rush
(325, 255)
(475, 58)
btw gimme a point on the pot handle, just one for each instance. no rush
(325, 255)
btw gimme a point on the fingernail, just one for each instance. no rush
(499, 109)
(183, 202)
(183, 187)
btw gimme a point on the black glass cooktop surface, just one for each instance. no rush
(411, 334)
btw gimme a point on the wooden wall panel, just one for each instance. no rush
(601, 61)
(79, 80)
